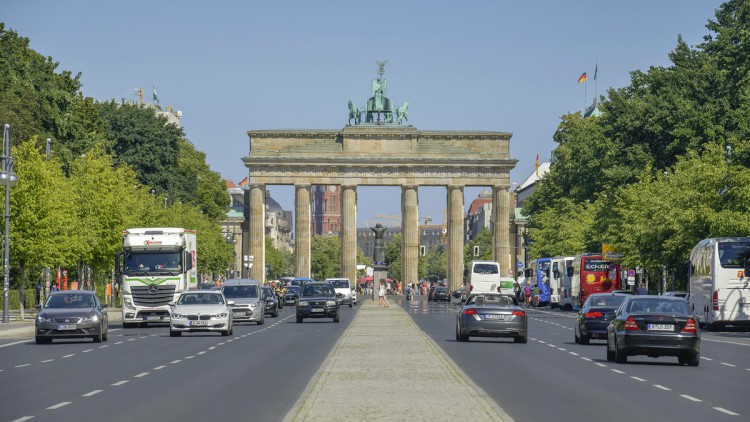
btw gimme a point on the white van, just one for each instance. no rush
(484, 277)
(719, 289)
(344, 287)
(560, 281)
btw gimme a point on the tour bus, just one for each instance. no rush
(592, 274)
(540, 269)
(484, 277)
(560, 278)
(719, 287)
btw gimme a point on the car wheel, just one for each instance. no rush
(231, 329)
(620, 356)
(42, 340)
(174, 333)
(262, 320)
(584, 339)
(610, 353)
(299, 319)
(336, 318)
(461, 337)
(98, 338)
(225, 333)
(694, 360)
(520, 339)
(276, 314)
(105, 335)
(576, 338)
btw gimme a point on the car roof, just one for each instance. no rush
(213, 291)
(62, 292)
(241, 282)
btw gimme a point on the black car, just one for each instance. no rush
(292, 295)
(594, 316)
(318, 300)
(654, 326)
(272, 303)
(441, 293)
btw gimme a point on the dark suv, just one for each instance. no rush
(317, 300)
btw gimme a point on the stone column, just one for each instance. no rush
(258, 231)
(349, 233)
(455, 237)
(409, 234)
(501, 228)
(302, 229)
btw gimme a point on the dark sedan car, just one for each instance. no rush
(593, 318)
(317, 300)
(492, 315)
(71, 314)
(272, 303)
(292, 295)
(654, 326)
(441, 293)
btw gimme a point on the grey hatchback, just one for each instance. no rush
(71, 314)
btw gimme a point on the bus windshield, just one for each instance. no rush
(486, 269)
(734, 254)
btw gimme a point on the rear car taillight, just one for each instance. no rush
(690, 326)
(593, 314)
(716, 301)
(470, 312)
(519, 313)
(631, 325)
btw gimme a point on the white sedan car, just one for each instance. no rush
(201, 311)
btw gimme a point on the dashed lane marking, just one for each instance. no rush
(661, 387)
(728, 364)
(21, 366)
(105, 346)
(705, 358)
(617, 371)
(22, 419)
(67, 356)
(91, 393)
(189, 357)
(48, 360)
(638, 379)
(59, 405)
(691, 398)
(120, 342)
(728, 412)
(573, 353)
(176, 361)
(600, 364)
(87, 350)
(118, 383)
(212, 348)
(160, 367)
(586, 359)
(200, 353)
(142, 374)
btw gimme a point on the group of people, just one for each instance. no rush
(528, 295)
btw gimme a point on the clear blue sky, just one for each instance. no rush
(234, 66)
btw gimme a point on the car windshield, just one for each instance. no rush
(200, 299)
(441, 289)
(71, 300)
(490, 299)
(658, 306)
(317, 290)
(240, 291)
(293, 289)
(610, 301)
(340, 284)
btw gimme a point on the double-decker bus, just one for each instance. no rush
(719, 290)
(592, 274)
(540, 270)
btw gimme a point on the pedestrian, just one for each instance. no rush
(54, 287)
(383, 302)
(38, 292)
(527, 294)
(517, 290)
(641, 290)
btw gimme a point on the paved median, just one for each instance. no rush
(385, 368)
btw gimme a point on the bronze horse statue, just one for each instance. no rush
(354, 113)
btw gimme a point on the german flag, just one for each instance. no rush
(582, 78)
(243, 183)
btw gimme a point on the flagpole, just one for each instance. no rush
(585, 89)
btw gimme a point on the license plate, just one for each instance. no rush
(198, 322)
(490, 316)
(151, 318)
(661, 327)
(66, 327)
(317, 310)
(238, 313)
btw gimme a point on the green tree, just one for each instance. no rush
(393, 257)
(325, 257)
(436, 262)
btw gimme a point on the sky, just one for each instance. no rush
(234, 66)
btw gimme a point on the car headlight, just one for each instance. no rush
(302, 303)
(90, 318)
(43, 318)
(177, 316)
(330, 303)
(220, 316)
(255, 305)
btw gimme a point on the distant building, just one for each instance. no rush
(278, 222)
(325, 218)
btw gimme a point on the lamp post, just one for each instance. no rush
(231, 240)
(8, 179)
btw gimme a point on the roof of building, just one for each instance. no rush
(536, 175)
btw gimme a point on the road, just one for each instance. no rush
(143, 374)
(551, 377)
(260, 372)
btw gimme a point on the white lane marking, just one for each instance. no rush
(728, 364)
(551, 345)
(102, 347)
(176, 361)
(561, 349)
(716, 341)
(200, 353)
(14, 343)
(119, 383)
(132, 339)
(601, 364)
(212, 348)
(48, 360)
(542, 341)
(189, 357)
(67, 356)
(221, 344)
(661, 387)
(691, 398)
(229, 341)
(638, 379)
(532, 338)
(59, 405)
(120, 342)
(573, 353)
(25, 418)
(160, 367)
(618, 371)
(21, 366)
(89, 394)
(142, 374)
(87, 350)
(586, 359)
(705, 358)
(728, 412)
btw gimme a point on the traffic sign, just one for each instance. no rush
(519, 265)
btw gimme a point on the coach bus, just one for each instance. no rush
(719, 289)
(592, 274)
(540, 272)
(560, 278)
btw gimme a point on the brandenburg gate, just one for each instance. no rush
(381, 151)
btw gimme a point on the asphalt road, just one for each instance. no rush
(551, 377)
(143, 374)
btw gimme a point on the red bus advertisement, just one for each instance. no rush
(592, 274)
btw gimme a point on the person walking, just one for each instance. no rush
(641, 290)
(383, 302)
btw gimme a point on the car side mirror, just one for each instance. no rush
(339, 295)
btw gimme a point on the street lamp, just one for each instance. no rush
(8, 179)
(231, 240)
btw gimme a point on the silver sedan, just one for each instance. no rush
(201, 311)
(492, 315)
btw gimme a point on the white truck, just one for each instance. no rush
(156, 265)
